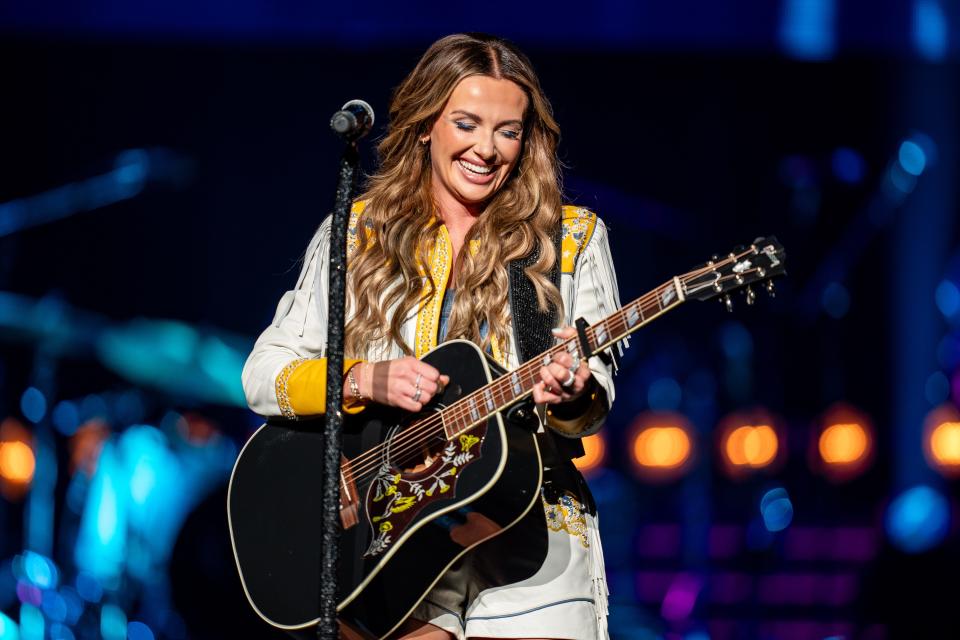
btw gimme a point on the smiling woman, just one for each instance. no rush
(462, 234)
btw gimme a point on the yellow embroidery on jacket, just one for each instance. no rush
(567, 515)
(578, 226)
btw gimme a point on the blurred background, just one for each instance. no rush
(787, 470)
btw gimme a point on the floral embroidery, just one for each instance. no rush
(399, 494)
(578, 225)
(567, 515)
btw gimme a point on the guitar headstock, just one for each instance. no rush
(761, 262)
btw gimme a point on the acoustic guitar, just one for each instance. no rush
(419, 491)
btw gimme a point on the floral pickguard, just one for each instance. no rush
(396, 499)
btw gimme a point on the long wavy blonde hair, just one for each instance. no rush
(386, 270)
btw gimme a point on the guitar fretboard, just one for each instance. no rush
(515, 385)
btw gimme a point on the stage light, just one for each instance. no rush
(139, 631)
(33, 404)
(948, 299)
(88, 587)
(843, 444)
(912, 158)
(40, 570)
(941, 440)
(835, 300)
(595, 451)
(750, 441)
(664, 394)
(113, 623)
(32, 624)
(807, 29)
(930, 29)
(681, 596)
(660, 445)
(918, 519)
(8, 628)
(848, 165)
(66, 417)
(776, 509)
(59, 631)
(17, 461)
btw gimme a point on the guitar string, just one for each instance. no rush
(459, 410)
(420, 433)
(455, 413)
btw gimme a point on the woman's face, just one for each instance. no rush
(476, 141)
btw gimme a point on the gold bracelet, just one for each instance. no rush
(354, 387)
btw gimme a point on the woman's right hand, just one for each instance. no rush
(405, 383)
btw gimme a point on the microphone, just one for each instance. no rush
(353, 121)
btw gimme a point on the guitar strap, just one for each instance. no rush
(531, 332)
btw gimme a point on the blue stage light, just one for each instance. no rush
(93, 406)
(66, 417)
(32, 625)
(61, 632)
(33, 405)
(40, 570)
(88, 587)
(948, 351)
(73, 603)
(8, 629)
(948, 299)
(664, 395)
(807, 29)
(848, 165)
(937, 388)
(139, 631)
(912, 157)
(918, 519)
(930, 29)
(113, 623)
(736, 341)
(835, 300)
(53, 605)
(776, 509)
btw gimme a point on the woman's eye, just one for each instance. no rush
(465, 126)
(513, 135)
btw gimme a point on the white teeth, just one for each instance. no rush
(475, 168)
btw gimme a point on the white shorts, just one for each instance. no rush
(542, 578)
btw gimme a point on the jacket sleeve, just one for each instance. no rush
(595, 296)
(298, 331)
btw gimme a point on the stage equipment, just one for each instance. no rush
(133, 170)
(402, 524)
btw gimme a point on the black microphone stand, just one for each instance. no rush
(327, 627)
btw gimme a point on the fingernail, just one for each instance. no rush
(557, 330)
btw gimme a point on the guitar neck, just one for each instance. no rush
(516, 385)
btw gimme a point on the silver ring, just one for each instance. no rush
(416, 396)
(416, 382)
(569, 381)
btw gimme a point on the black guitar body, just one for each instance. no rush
(410, 524)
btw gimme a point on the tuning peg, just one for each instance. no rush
(750, 294)
(771, 291)
(728, 302)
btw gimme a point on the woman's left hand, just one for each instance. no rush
(550, 389)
